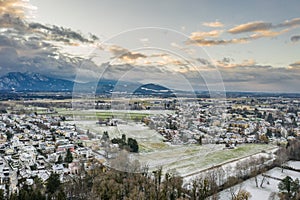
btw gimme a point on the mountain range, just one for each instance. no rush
(34, 82)
(16, 83)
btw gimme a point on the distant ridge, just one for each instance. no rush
(17, 81)
(154, 90)
(35, 82)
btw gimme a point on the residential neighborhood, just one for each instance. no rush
(236, 121)
(34, 146)
(36, 142)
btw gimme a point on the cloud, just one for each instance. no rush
(160, 60)
(60, 33)
(251, 27)
(227, 63)
(11, 61)
(265, 27)
(184, 48)
(18, 8)
(215, 24)
(117, 50)
(131, 57)
(290, 23)
(259, 29)
(262, 78)
(124, 55)
(295, 38)
(13, 22)
(201, 35)
(203, 61)
(269, 33)
(34, 47)
(210, 42)
(251, 76)
(295, 65)
(166, 59)
(9, 21)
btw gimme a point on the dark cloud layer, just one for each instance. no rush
(60, 33)
(295, 38)
(26, 46)
(250, 76)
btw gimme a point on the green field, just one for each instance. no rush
(121, 115)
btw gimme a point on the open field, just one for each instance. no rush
(186, 159)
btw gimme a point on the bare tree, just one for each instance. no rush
(273, 196)
(282, 157)
(253, 169)
(135, 166)
(238, 193)
(121, 162)
(264, 178)
(220, 175)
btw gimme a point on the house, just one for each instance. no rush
(74, 167)
(64, 148)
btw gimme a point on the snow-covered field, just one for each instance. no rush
(270, 185)
(257, 193)
(276, 172)
(187, 160)
(294, 164)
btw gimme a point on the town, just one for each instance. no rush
(37, 141)
(239, 121)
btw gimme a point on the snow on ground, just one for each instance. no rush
(294, 164)
(229, 165)
(276, 172)
(187, 160)
(270, 185)
(184, 158)
(249, 185)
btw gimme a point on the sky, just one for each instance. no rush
(206, 44)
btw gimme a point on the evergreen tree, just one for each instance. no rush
(53, 183)
(289, 187)
(69, 157)
(133, 145)
(60, 160)
(61, 196)
(124, 138)
(269, 133)
(270, 118)
(105, 136)
(2, 194)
